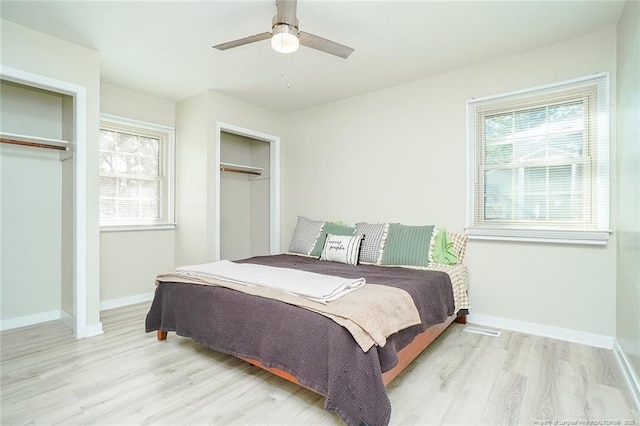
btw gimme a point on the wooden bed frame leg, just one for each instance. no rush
(461, 320)
(162, 335)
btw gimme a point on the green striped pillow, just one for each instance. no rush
(407, 245)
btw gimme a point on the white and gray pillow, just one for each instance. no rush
(342, 248)
(375, 235)
(305, 235)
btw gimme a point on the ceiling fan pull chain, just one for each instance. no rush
(282, 68)
(288, 70)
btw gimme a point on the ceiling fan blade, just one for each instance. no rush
(286, 12)
(328, 46)
(242, 41)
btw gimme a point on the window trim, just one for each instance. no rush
(123, 123)
(479, 229)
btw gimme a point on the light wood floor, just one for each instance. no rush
(127, 377)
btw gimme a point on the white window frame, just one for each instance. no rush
(167, 140)
(480, 227)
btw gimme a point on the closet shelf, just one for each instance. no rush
(238, 168)
(34, 141)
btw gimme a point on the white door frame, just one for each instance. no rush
(274, 184)
(80, 196)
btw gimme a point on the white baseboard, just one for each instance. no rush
(66, 319)
(89, 331)
(575, 336)
(92, 330)
(23, 321)
(630, 375)
(126, 301)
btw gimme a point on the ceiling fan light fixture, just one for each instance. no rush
(284, 38)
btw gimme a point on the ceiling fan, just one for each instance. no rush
(286, 37)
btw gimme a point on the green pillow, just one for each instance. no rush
(407, 245)
(330, 228)
(443, 251)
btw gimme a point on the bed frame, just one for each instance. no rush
(405, 355)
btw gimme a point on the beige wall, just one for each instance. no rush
(193, 142)
(67, 179)
(628, 266)
(130, 260)
(31, 231)
(400, 155)
(126, 103)
(259, 200)
(235, 199)
(30, 111)
(34, 52)
(196, 121)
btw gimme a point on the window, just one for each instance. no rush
(538, 163)
(136, 174)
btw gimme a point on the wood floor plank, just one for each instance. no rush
(126, 376)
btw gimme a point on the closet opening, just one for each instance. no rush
(42, 149)
(247, 193)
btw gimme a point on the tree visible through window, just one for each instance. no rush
(540, 163)
(133, 176)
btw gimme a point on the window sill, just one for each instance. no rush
(540, 236)
(128, 228)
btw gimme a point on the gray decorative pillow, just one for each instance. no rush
(305, 235)
(341, 248)
(375, 235)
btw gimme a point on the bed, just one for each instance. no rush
(306, 347)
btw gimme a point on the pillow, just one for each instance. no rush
(407, 245)
(375, 235)
(329, 228)
(442, 250)
(305, 235)
(459, 244)
(342, 248)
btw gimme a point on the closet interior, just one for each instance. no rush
(244, 197)
(36, 216)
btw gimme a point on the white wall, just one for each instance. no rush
(196, 121)
(130, 260)
(628, 267)
(34, 52)
(399, 155)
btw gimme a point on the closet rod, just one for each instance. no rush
(231, 169)
(239, 168)
(33, 144)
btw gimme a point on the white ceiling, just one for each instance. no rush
(164, 48)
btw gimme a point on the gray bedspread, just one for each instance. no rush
(321, 354)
